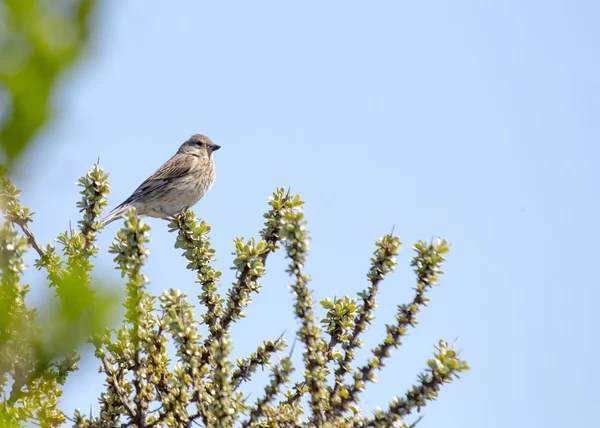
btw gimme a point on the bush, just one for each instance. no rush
(144, 388)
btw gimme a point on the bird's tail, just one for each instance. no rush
(118, 212)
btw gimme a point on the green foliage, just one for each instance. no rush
(39, 39)
(38, 351)
(145, 387)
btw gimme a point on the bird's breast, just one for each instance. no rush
(200, 181)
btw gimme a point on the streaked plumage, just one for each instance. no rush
(177, 185)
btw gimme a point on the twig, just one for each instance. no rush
(414, 424)
(124, 401)
(30, 237)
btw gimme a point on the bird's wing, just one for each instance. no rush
(176, 167)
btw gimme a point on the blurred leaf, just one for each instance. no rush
(81, 313)
(39, 39)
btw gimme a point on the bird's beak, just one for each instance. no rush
(215, 147)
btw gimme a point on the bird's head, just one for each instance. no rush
(199, 145)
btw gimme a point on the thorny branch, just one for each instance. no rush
(31, 238)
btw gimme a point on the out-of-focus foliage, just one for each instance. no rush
(38, 351)
(39, 39)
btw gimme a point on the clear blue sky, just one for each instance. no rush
(474, 121)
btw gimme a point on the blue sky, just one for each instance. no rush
(474, 121)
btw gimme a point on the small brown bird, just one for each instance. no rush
(177, 185)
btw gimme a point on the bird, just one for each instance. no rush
(177, 185)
